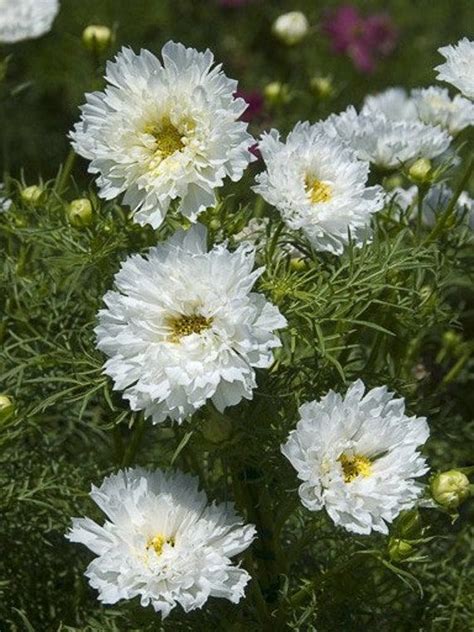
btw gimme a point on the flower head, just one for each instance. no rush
(164, 131)
(162, 542)
(357, 457)
(26, 19)
(435, 107)
(457, 69)
(363, 39)
(184, 327)
(318, 186)
(291, 28)
(394, 103)
(385, 142)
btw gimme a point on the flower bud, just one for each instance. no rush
(408, 524)
(80, 212)
(290, 28)
(217, 429)
(31, 194)
(297, 264)
(399, 550)
(420, 170)
(276, 93)
(6, 407)
(97, 38)
(450, 489)
(322, 87)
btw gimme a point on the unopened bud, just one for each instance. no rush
(275, 93)
(97, 38)
(290, 28)
(6, 407)
(420, 170)
(408, 524)
(217, 429)
(31, 194)
(80, 212)
(297, 264)
(399, 549)
(322, 87)
(450, 489)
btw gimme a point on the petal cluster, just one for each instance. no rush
(162, 542)
(183, 327)
(457, 69)
(26, 19)
(164, 131)
(357, 457)
(318, 186)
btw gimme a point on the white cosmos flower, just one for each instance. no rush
(457, 69)
(162, 542)
(435, 202)
(435, 107)
(26, 19)
(183, 327)
(393, 102)
(318, 186)
(163, 131)
(357, 457)
(387, 143)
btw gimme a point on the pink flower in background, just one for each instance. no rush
(363, 39)
(255, 102)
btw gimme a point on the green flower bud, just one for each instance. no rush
(297, 264)
(392, 182)
(322, 87)
(31, 194)
(276, 93)
(97, 38)
(80, 212)
(420, 170)
(217, 429)
(291, 28)
(214, 224)
(450, 489)
(408, 524)
(6, 407)
(399, 549)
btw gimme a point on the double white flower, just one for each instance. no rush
(183, 327)
(26, 19)
(162, 542)
(457, 69)
(318, 186)
(164, 131)
(357, 457)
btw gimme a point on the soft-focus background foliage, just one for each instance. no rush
(69, 429)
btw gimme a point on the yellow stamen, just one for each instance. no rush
(168, 138)
(354, 466)
(182, 326)
(158, 542)
(317, 190)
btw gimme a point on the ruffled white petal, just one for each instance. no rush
(26, 19)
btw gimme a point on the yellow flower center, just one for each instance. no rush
(182, 326)
(317, 190)
(168, 138)
(354, 466)
(158, 542)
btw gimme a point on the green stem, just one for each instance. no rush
(65, 172)
(134, 444)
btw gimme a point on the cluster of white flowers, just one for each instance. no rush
(432, 106)
(164, 131)
(357, 457)
(26, 19)
(457, 69)
(162, 542)
(318, 186)
(184, 327)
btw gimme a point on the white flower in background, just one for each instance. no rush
(5, 203)
(162, 542)
(458, 67)
(164, 131)
(291, 28)
(388, 144)
(357, 457)
(435, 107)
(26, 19)
(394, 103)
(183, 327)
(434, 203)
(318, 186)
